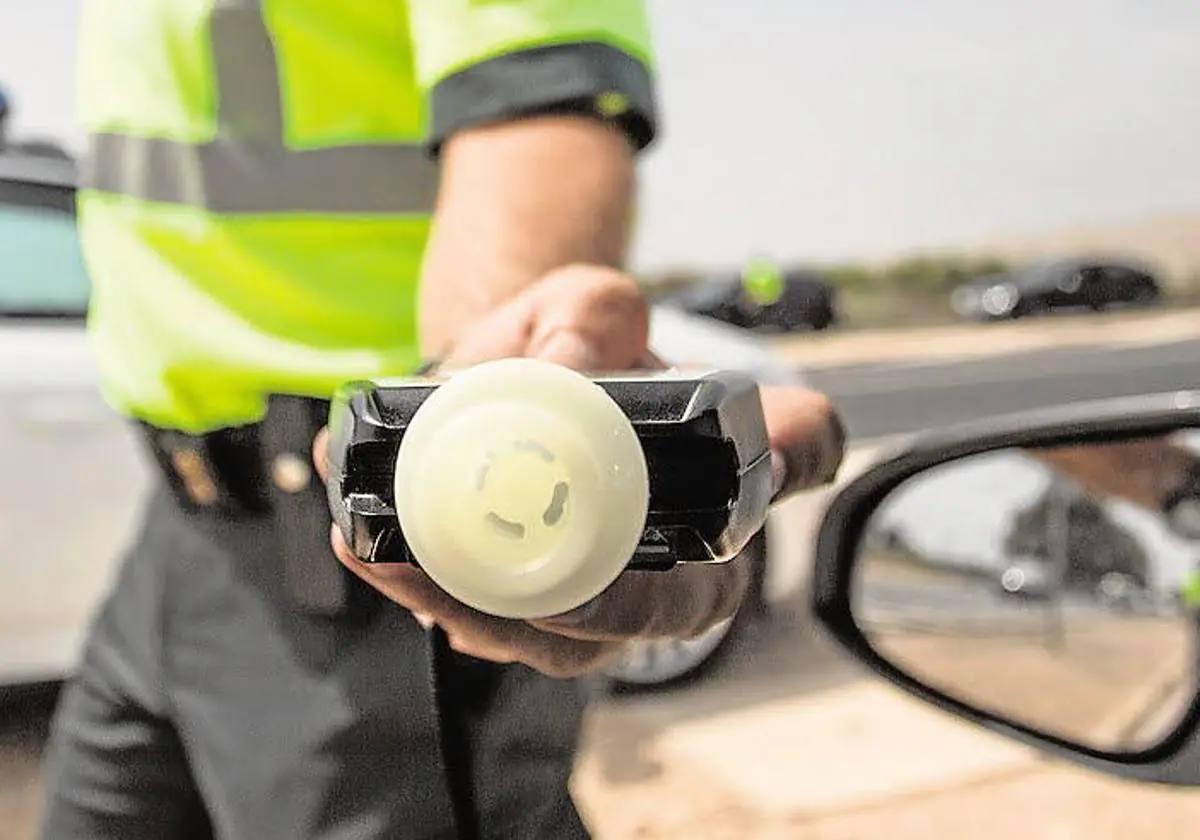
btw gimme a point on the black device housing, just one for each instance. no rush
(704, 440)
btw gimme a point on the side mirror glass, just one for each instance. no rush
(1045, 582)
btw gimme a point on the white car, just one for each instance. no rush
(692, 341)
(74, 473)
(72, 477)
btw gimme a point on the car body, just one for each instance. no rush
(1027, 577)
(1056, 285)
(73, 478)
(804, 302)
(70, 495)
(689, 341)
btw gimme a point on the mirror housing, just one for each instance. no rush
(1175, 758)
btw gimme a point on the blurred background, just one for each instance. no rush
(934, 211)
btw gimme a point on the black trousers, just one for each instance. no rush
(208, 705)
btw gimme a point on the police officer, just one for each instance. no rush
(267, 181)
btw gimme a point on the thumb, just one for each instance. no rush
(568, 348)
(806, 435)
(320, 453)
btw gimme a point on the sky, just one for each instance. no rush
(819, 131)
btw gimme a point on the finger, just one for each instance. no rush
(507, 640)
(680, 603)
(651, 361)
(472, 632)
(780, 470)
(406, 585)
(601, 305)
(550, 654)
(600, 310)
(806, 435)
(320, 453)
(570, 349)
(503, 333)
(412, 589)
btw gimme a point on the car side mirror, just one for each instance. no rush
(1039, 576)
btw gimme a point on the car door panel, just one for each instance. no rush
(73, 475)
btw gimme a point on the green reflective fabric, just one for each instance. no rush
(237, 237)
(336, 68)
(145, 68)
(197, 316)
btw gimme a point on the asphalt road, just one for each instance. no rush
(879, 400)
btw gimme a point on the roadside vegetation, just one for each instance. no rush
(906, 292)
(914, 290)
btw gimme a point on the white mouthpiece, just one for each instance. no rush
(521, 488)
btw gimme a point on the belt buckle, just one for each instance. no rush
(195, 476)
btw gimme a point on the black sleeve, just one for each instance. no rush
(584, 78)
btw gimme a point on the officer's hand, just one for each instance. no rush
(595, 319)
(582, 316)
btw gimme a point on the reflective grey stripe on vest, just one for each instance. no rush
(247, 169)
(231, 177)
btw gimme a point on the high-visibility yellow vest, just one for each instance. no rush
(257, 195)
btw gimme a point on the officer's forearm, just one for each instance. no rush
(517, 200)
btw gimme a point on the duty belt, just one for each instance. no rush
(263, 470)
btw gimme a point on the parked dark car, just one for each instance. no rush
(1103, 559)
(1056, 285)
(805, 302)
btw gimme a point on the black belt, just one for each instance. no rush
(265, 469)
